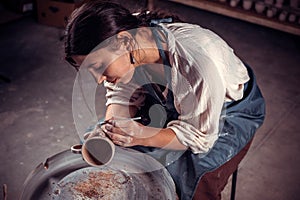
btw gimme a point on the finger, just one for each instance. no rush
(126, 127)
(121, 123)
(117, 130)
(90, 134)
(87, 135)
(117, 138)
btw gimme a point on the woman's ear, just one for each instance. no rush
(125, 40)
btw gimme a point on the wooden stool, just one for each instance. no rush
(212, 183)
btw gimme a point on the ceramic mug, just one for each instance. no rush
(260, 7)
(96, 151)
(234, 3)
(247, 4)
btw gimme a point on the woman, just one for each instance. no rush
(199, 104)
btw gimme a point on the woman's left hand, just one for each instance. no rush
(125, 133)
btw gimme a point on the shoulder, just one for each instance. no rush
(187, 33)
(188, 29)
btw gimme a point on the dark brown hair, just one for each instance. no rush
(95, 21)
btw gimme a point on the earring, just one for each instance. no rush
(132, 60)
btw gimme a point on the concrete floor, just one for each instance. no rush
(36, 119)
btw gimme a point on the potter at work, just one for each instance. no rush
(97, 149)
(199, 104)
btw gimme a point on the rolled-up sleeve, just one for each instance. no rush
(128, 94)
(199, 111)
(199, 94)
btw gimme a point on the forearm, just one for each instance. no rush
(116, 110)
(161, 138)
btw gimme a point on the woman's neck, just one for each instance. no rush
(147, 52)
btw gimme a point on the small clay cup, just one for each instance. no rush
(96, 151)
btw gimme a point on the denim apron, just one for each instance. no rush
(238, 123)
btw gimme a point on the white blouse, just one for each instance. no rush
(205, 73)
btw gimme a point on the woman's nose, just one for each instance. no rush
(100, 79)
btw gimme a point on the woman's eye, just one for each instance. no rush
(95, 67)
(98, 66)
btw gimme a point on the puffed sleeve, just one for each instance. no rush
(198, 98)
(233, 71)
(199, 92)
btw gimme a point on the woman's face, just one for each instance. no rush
(106, 64)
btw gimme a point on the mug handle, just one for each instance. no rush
(76, 148)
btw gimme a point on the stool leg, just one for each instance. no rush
(233, 184)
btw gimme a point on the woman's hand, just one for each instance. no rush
(129, 133)
(124, 132)
(96, 131)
